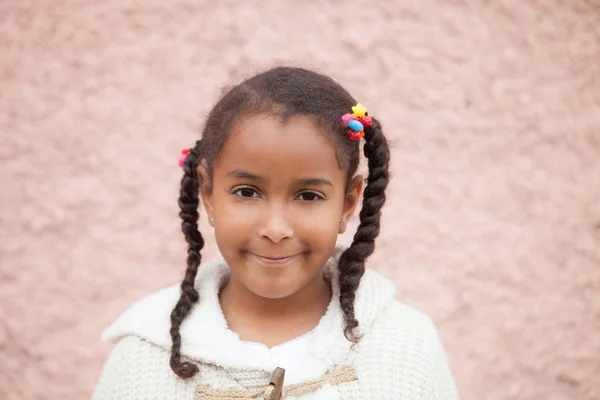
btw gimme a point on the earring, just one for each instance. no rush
(342, 223)
(212, 220)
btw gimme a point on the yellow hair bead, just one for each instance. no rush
(359, 110)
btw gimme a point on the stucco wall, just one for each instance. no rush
(493, 220)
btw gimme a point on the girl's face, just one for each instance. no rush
(277, 197)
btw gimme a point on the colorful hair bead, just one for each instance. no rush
(356, 122)
(183, 156)
(355, 125)
(366, 121)
(359, 110)
(347, 118)
(355, 135)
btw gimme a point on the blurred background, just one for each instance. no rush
(493, 221)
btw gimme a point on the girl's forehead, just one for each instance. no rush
(268, 145)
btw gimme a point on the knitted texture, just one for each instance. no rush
(399, 357)
(342, 375)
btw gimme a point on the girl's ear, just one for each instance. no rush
(205, 187)
(351, 200)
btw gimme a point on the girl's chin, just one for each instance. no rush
(274, 293)
(267, 289)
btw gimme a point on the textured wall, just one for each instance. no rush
(493, 222)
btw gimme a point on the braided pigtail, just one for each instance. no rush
(188, 203)
(352, 261)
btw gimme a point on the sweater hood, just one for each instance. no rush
(207, 338)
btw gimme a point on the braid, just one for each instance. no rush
(188, 203)
(352, 261)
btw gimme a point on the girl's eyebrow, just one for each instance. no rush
(314, 182)
(240, 174)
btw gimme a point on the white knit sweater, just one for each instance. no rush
(399, 357)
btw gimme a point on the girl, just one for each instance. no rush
(287, 313)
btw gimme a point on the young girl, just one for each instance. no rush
(286, 313)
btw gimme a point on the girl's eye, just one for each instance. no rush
(246, 192)
(309, 196)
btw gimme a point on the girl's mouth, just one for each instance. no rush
(272, 260)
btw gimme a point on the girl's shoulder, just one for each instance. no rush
(402, 319)
(150, 317)
(404, 329)
(403, 347)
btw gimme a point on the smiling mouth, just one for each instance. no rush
(275, 260)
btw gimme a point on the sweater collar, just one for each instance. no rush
(207, 338)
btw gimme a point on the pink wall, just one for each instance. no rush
(493, 223)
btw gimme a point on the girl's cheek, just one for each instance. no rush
(241, 211)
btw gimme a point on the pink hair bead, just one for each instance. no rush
(347, 118)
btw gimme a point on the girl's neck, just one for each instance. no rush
(274, 321)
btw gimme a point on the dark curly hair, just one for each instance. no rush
(285, 92)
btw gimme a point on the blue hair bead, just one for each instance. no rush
(355, 125)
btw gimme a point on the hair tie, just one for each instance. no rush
(183, 156)
(186, 152)
(356, 122)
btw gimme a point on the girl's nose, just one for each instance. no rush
(275, 225)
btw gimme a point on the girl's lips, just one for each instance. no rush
(275, 260)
